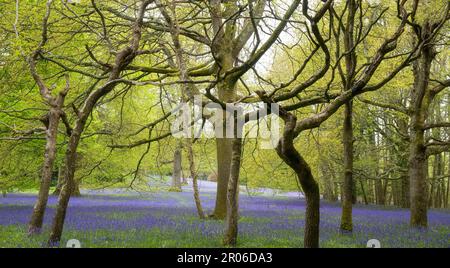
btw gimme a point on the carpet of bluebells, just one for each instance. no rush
(168, 219)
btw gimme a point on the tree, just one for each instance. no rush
(122, 59)
(416, 108)
(51, 123)
(293, 127)
(421, 98)
(133, 65)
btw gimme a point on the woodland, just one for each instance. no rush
(358, 92)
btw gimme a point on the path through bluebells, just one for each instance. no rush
(121, 218)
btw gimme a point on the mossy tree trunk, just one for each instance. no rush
(421, 100)
(347, 202)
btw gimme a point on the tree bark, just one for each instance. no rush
(366, 200)
(232, 218)
(447, 192)
(286, 150)
(350, 66)
(223, 146)
(60, 182)
(194, 176)
(347, 202)
(68, 187)
(402, 163)
(421, 100)
(176, 173)
(326, 177)
(227, 94)
(37, 217)
(417, 174)
(76, 188)
(379, 191)
(405, 203)
(328, 186)
(435, 191)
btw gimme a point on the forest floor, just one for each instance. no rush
(124, 218)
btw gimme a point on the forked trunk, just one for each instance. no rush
(37, 217)
(123, 58)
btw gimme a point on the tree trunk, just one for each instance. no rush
(372, 191)
(232, 218)
(328, 188)
(432, 185)
(176, 174)
(447, 189)
(379, 191)
(227, 94)
(223, 146)
(435, 192)
(366, 200)
(349, 196)
(60, 182)
(326, 178)
(438, 198)
(417, 174)
(76, 188)
(402, 163)
(405, 202)
(292, 157)
(421, 100)
(447, 192)
(395, 193)
(438, 171)
(37, 216)
(68, 186)
(194, 176)
(347, 202)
